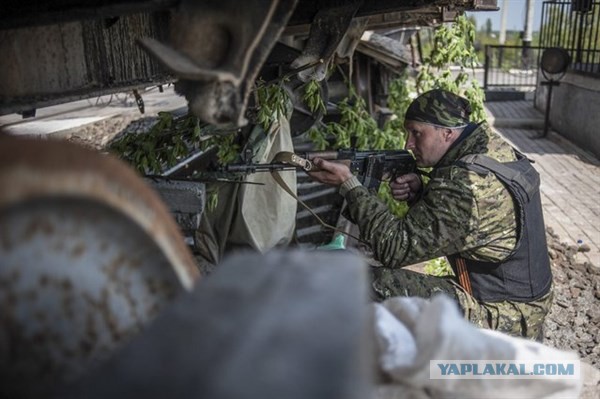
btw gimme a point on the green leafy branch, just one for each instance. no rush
(358, 129)
(272, 102)
(167, 143)
(438, 267)
(453, 45)
(313, 97)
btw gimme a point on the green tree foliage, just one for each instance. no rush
(169, 141)
(313, 97)
(357, 128)
(453, 46)
(272, 102)
(438, 267)
(488, 27)
(401, 91)
(473, 21)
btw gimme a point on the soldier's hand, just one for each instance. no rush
(332, 173)
(406, 187)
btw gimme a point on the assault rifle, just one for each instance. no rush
(371, 166)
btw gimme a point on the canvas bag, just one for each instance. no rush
(266, 216)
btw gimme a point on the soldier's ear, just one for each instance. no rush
(448, 134)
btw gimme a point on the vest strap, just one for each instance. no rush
(484, 164)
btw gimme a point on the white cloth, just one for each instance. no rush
(412, 331)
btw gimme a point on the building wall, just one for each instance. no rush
(575, 109)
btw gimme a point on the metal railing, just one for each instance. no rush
(574, 26)
(571, 25)
(510, 67)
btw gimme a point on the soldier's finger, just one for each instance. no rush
(400, 197)
(396, 186)
(400, 192)
(408, 178)
(401, 179)
(324, 165)
(320, 175)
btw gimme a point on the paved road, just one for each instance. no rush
(80, 113)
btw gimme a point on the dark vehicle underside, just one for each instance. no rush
(65, 50)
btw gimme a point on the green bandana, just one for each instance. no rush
(440, 108)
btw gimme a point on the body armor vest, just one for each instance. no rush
(525, 275)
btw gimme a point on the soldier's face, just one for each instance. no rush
(427, 142)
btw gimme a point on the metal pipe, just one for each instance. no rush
(486, 69)
(548, 103)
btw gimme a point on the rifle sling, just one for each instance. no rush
(292, 159)
(463, 275)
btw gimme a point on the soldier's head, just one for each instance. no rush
(434, 120)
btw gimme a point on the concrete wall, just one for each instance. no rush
(575, 109)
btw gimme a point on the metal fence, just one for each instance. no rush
(572, 25)
(510, 67)
(575, 26)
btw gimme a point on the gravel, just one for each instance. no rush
(574, 319)
(98, 135)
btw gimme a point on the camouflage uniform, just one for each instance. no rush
(458, 212)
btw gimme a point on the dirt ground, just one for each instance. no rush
(574, 319)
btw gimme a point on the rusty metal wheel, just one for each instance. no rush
(88, 256)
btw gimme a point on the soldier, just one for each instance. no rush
(481, 209)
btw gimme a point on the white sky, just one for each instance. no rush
(515, 19)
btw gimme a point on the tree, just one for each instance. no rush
(488, 26)
(453, 45)
(473, 21)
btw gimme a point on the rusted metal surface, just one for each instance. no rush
(88, 256)
(385, 14)
(326, 32)
(23, 13)
(65, 62)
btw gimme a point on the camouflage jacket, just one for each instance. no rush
(459, 211)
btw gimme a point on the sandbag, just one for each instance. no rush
(410, 332)
(266, 216)
(249, 216)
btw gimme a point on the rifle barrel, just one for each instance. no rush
(258, 167)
